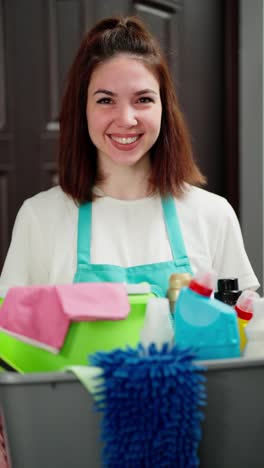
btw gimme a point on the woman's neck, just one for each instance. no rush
(126, 183)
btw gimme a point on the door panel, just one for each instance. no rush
(7, 177)
(202, 85)
(64, 26)
(163, 19)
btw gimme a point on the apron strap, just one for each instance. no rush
(84, 234)
(174, 230)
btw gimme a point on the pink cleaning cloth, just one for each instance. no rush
(41, 315)
(94, 301)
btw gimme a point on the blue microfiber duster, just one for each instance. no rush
(151, 402)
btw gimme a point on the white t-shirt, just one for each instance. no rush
(126, 233)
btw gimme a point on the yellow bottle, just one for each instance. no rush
(244, 310)
(176, 282)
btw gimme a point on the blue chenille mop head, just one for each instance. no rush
(151, 403)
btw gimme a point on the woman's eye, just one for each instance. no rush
(145, 100)
(104, 100)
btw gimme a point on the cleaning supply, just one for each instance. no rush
(255, 331)
(228, 291)
(41, 315)
(157, 326)
(244, 310)
(176, 282)
(82, 340)
(204, 323)
(150, 402)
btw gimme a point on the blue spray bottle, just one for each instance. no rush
(202, 322)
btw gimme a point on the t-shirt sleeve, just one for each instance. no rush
(230, 258)
(24, 263)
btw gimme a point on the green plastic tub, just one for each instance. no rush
(83, 338)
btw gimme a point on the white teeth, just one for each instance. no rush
(125, 141)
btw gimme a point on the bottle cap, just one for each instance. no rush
(227, 291)
(244, 305)
(229, 297)
(178, 280)
(200, 289)
(227, 284)
(203, 283)
(243, 314)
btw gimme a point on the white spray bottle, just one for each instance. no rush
(157, 326)
(255, 331)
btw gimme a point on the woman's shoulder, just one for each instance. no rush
(202, 202)
(52, 195)
(48, 206)
(51, 200)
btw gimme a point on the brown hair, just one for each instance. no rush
(171, 156)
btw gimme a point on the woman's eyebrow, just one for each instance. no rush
(137, 93)
(145, 91)
(104, 91)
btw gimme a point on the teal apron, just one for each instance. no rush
(156, 274)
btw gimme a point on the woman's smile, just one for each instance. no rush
(124, 139)
(125, 142)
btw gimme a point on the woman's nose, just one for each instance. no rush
(126, 117)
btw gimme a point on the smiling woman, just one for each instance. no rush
(128, 207)
(120, 73)
(124, 118)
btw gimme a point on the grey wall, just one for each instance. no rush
(251, 131)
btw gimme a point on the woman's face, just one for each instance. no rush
(123, 111)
